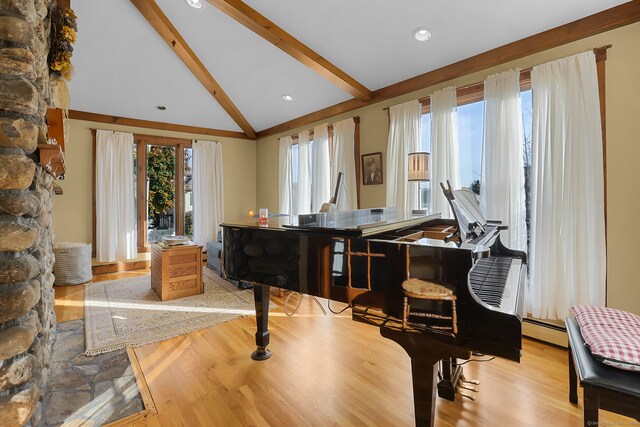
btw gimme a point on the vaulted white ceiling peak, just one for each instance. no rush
(124, 68)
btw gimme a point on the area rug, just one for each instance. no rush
(127, 312)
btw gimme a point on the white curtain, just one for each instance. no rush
(208, 191)
(405, 121)
(445, 159)
(344, 161)
(320, 170)
(304, 174)
(116, 237)
(502, 194)
(284, 176)
(568, 256)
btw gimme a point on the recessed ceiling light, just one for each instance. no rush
(421, 34)
(287, 98)
(196, 4)
(161, 107)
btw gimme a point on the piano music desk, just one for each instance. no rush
(605, 387)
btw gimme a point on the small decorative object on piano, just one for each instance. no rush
(176, 240)
(251, 213)
(264, 217)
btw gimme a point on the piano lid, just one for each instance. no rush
(361, 222)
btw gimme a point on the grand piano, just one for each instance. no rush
(362, 257)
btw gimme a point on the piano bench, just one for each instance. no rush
(605, 387)
(424, 290)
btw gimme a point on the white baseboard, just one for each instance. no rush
(542, 333)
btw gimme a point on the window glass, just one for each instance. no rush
(188, 192)
(425, 145)
(135, 187)
(527, 119)
(294, 178)
(470, 137)
(161, 183)
(470, 130)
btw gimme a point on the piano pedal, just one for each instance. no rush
(464, 386)
(465, 394)
(468, 381)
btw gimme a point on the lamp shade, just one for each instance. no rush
(419, 167)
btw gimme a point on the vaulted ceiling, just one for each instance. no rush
(344, 49)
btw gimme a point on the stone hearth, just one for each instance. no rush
(27, 321)
(83, 390)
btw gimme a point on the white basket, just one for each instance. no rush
(73, 263)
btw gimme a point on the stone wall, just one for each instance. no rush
(27, 321)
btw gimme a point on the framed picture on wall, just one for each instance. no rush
(372, 168)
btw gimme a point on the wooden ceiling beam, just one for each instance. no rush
(268, 30)
(149, 124)
(159, 21)
(607, 20)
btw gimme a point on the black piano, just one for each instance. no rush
(362, 258)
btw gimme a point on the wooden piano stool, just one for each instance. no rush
(421, 289)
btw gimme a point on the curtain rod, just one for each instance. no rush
(600, 52)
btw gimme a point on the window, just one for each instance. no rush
(160, 192)
(294, 177)
(470, 137)
(425, 145)
(163, 188)
(188, 192)
(527, 119)
(295, 153)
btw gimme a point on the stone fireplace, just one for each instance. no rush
(27, 320)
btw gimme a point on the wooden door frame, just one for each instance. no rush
(179, 144)
(141, 142)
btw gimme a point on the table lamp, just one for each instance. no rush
(419, 171)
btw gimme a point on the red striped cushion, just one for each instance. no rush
(612, 335)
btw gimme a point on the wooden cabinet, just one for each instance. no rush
(176, 271)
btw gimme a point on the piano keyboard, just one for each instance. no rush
(495, 281)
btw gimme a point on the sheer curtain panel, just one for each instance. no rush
(284, 176)
(502, 194)
(445, 159)
(304, 174)
(208, 191)
(116, 237)
(344, 161)
(405, 122)
(320, 170)
(568, 255)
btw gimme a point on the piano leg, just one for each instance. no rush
(261, 298)
(425, 353)
(425, 377)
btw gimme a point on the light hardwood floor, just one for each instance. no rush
(330, 371)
